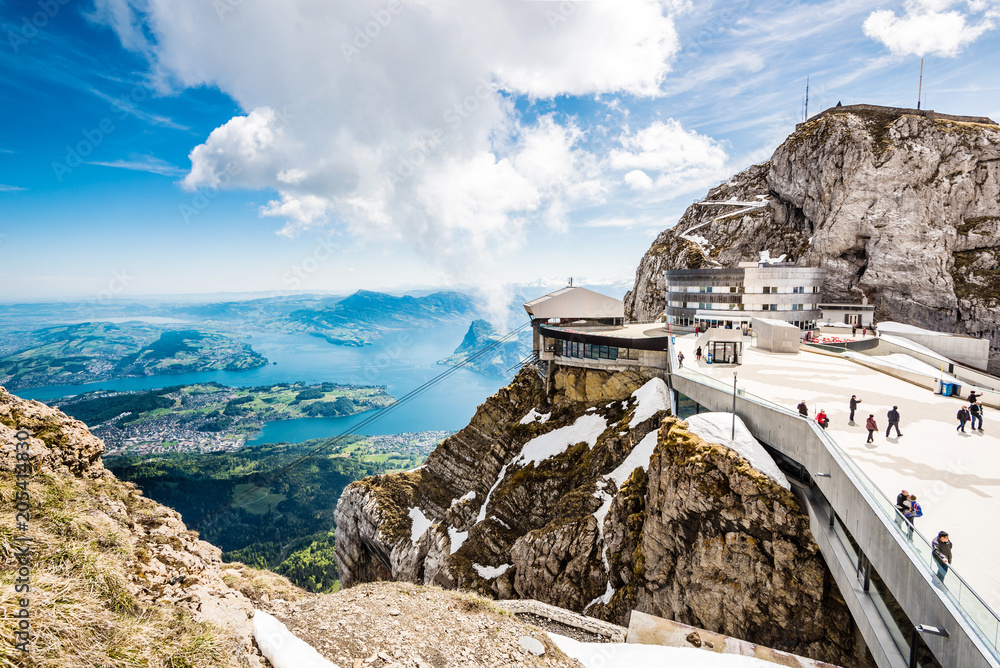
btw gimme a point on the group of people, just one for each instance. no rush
(864, 330)
(941, 546)
(973, 412)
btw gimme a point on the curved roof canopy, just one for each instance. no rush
(575, 303)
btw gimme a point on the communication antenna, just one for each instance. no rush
(805, 104)
(920, 87)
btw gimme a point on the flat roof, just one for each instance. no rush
(955, 476)
(634, 331)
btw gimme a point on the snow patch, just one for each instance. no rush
(630, 655)
(765, 256)
(490, 572)
(457, 538)
(717, 427)
(591, 409)
(638, 458)
(468, 496)
(586, 429)
(489, 495)
(282, 647)
(535, 416)
(902, 328)
(653, 397)
(420, 523)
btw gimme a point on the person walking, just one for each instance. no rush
(803, 408)
(854, 406)
(872, 428)
(976, 413)
(902, 505)
(854, 330)
(680, 359)
(963, 417)
(893, 417)
(864, 331)
(697, 353)
(822, 419)
(974, 396)
(941, 549)
(913, 512)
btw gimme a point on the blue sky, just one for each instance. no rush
(245, 145)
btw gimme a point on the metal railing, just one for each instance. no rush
(971, 606)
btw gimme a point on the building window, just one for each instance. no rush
(769, 290)
(798, 290)
(796, 307)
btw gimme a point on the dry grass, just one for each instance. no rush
(84, 611)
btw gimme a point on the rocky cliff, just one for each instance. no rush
(898, 205)
(590, 497)
(113, 578)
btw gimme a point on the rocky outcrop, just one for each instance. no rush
(534, 500)
(115, 576)
(900, 207)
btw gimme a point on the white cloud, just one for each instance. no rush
(398, 120)
(675, 155)
(932, 27)
(143, 163)
(4, 188)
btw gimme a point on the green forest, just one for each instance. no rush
(269, 506)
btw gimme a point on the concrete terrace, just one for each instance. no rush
(955, 477)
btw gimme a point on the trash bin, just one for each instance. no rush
(946, 389)
(956, 390)
(708, 358)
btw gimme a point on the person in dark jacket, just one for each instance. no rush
(803, 408)
(963, 417)
(872, 428)
(941, 549)
(976, 413)
(893, 417)
(697, 353)
(973, 396)
(902, 506)
(854, 406)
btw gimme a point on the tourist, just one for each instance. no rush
(902, 505)
(872, 428)
(913, 511)
(697, 353)
(864, 331)
(893, 417)
(680, 359)
(941, 547)
(963, 417)
(803, 408)
(854, 406)
(854, 330)
(822, 419)
(973, 396)
(976, 413)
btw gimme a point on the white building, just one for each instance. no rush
(732, 297)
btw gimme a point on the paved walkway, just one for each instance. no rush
(955, 476)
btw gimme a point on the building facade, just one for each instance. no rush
(733, 297)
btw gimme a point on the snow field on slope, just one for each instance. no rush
(717, 427)
(628, 655)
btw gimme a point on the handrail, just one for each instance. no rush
(867, 488)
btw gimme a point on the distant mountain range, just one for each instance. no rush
(364, 316)
(502, 360)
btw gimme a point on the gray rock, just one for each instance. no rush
(533, 645)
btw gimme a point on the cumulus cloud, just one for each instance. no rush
(399, 119)
(932, 27)
(672, 153)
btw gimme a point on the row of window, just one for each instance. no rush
(586, 350)
(709, 306)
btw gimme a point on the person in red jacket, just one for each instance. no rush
(872, 428)
(822, 419)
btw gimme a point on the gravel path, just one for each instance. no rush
(404, 625)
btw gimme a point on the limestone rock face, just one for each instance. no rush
(700, 537)
(899, 207)
(141, 560)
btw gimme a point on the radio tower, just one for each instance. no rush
(805, 103)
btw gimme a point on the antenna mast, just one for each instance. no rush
(805, 105)
(920, 88)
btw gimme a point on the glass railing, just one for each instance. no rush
(983, 618)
